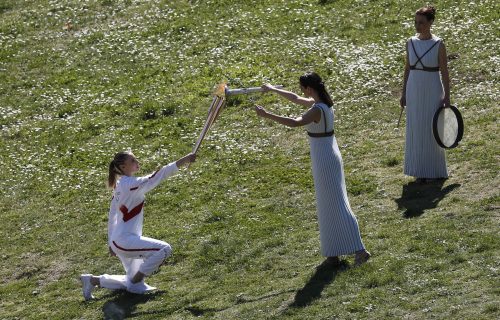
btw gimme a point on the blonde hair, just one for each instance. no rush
(114, 167)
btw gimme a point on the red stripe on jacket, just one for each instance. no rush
(127, 215)
(144, 249)
(154, 174)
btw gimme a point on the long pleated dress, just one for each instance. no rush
(424, 158)
(338, 227)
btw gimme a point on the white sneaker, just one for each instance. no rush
(87, 287)
(139, 287)
(149, 288)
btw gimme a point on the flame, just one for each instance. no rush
(220, 91)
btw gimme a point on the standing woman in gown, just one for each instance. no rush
(338, 227)
(424, 91)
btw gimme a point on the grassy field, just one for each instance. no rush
(81, 80)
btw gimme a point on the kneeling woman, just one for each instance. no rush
(140, 256)
(338, 227)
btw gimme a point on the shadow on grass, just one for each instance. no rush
(124, 304)
(241, 299)
(418, 197)
(324, 275)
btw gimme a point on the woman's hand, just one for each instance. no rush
(191, 157)
(445, 102)
(261, 112)
(267, 87)
(402, 101)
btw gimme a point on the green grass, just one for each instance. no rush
(242, 222)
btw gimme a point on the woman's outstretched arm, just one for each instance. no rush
(293, 97)
(313, 114)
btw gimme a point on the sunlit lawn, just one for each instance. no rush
(81, 80)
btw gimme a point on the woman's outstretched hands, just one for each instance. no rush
(261, 112)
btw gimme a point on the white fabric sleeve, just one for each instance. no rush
(149, 182)
(112, 220)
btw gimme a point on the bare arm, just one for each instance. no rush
(445, 76)
(402, 101)
(313, 114)
(295, 98)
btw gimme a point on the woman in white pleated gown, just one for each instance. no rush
(339, 230)
(423, 93)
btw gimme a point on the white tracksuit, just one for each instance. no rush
(137, 253)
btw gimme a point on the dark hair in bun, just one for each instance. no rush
(313, 80)
(428, 11)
